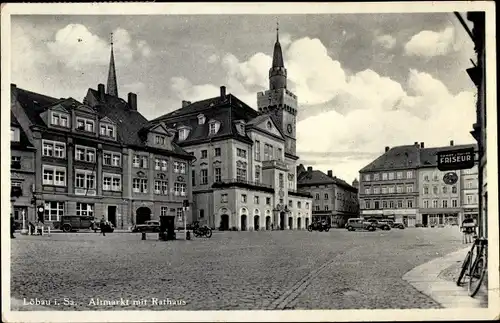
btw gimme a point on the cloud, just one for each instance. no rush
(185, 90)
(214, 58)
(78, 48)
(386, 41)
(430, 43)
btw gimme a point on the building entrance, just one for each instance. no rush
(143, 214)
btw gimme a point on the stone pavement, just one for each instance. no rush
(427, 279)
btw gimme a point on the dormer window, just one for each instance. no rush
(159, 140)
(59, 119)
(201, 119)
(213, 127)
(107, 130)
(84, 124)
(240, 127)
(183, 134)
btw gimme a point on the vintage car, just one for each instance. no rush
(359, 224)
(148, 226)
(384, 224)
(70, 223)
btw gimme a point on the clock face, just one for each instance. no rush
(289, 128)
(450, 178)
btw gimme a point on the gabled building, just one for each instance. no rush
(334, 200)
(102, 157)
(244, 175)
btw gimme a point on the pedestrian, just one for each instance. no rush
(102, 225)
(468, 228)
(12, 226)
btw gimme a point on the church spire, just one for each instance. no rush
(277, 73)
(112, 85)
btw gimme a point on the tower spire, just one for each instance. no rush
(112, 84)
(277, 73)
(277, 31)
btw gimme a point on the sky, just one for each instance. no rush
(363, 81)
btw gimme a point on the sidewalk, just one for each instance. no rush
(428, 279)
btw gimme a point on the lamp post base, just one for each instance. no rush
(24, 231)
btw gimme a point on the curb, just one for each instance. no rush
(425, 279)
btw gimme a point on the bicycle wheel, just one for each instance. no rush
(465, 266)
(208, 232)
(478, 271)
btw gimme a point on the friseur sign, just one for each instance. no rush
(456, 159)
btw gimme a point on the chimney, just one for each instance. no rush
(451, 142)
(13, 86)
(100, 91)
(185, 103)
(309, 168)
(416, 143)
(132, 101)
(223, 92)
(330, 173)
(386, 148)
(422, 145)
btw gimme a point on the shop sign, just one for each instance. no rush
(456, 159)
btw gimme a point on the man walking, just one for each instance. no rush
(12, 227)
(468, 228)
(102, 225)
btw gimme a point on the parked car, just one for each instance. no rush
(397, 225)
(70, 223)
(384, 224)
(148, 226)
(359, 223)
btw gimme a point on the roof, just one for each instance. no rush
(399, 157)
(33, 103)
(129, 122)
(24, 142)
(317, 177)
(224, 110)
(277, 55)
(409, 156)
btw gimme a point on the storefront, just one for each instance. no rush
(440, 218)
(406, 216)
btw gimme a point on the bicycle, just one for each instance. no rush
(475, 269)
(201, 231)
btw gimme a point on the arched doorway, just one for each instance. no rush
(290, 223)
(268, 222)
(243, 222)
(142, 215)
(307, 222)
(299, 224)
(282, 220)
(224, 222)
(256, 221)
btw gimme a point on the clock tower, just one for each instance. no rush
(279, 101)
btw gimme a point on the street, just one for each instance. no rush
(230, 271)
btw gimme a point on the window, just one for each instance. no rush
(218, 174)
(435, 190)
(384, 190)
(435, 203)
(159, 140)
(384, 204)
(384, 176)
(391, 176)
(85, 154)
(84, 209)
(409, 204)
(435, 177)
(107, 130)
(243, 198)
(257, 150)
(470, 199)
(279, 154)
(426, 189)
(399, 189)
(367, 204)
(299, 204)
(84, 179)
(391, 189)
(307, 205)
(399, 175)
(180, 167)
(53, 149)
(426, 178)
(444, 203)
(106, 158)
(85, 124)
(377, 205)
(454, 190)
(59, 119)
(316, 208)
(376, 177)
(193, 178)
(268, 201)
(256, 199)
(241, 172)
(409, 174)
(161, 187)
(140, 185)
(470, 184)
(257, 174)
(409, 188)
(400, 204)
(281, 180)
(367, 190)
(241, 153)
(53, 175)
(326, 196)
(164, 211)
(290, 203)
(180, 189)
(268, 152)
(111, 159)
(426, 203)
(213, 127)
(223, 198)
(445, 189)
(15, 162)
(367, 177)
(391, 204)
(201, 119)
(160, 164)
(180, 214)
(326, 207)
(53, 211)
(204, 154)
(376, 190)
(217, 152)
(454, 203)
(183, 134)
(204, 176)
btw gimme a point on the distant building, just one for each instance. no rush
(470, 192)
(244, 177)
(404, 184)
(22, 173)
(101, 158)
(333, 199)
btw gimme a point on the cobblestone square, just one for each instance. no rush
(232, 270)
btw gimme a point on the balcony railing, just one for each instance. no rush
(275, 164)
(241, 182)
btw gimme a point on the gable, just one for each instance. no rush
(59, 108)
(159, 129)
(107, 120)
(85, 109)
(268, 125)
